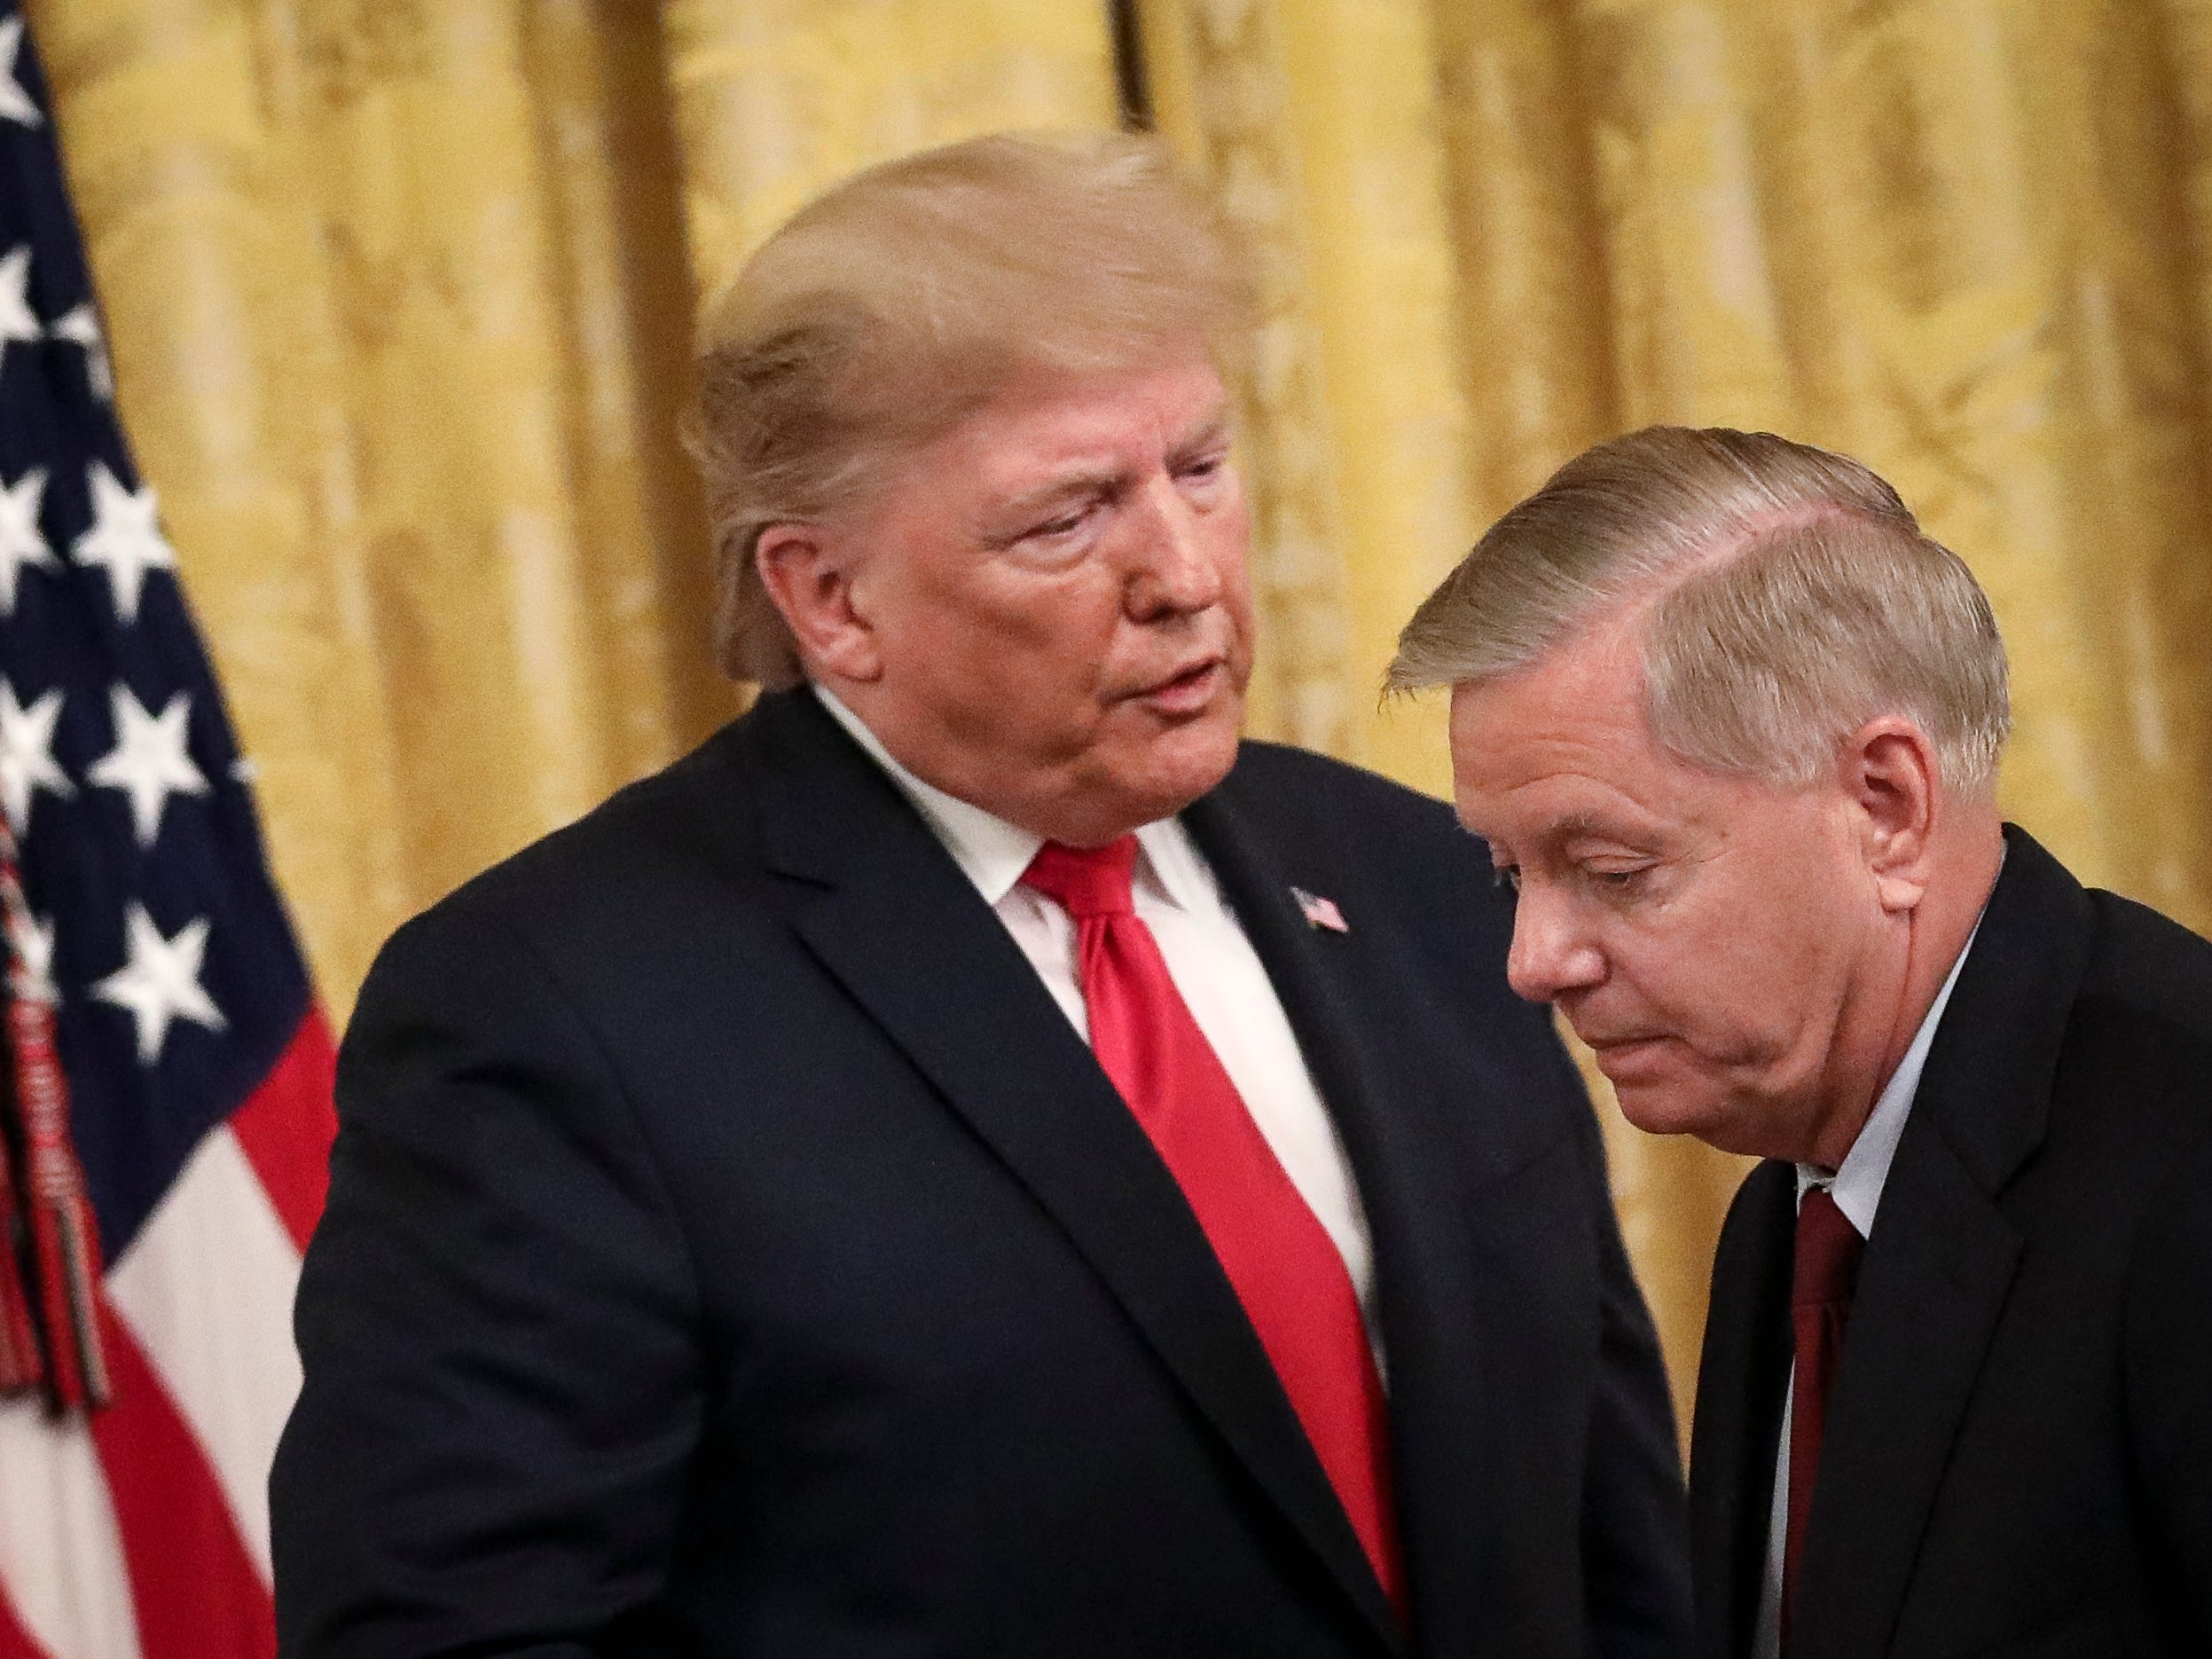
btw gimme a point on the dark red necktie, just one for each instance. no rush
(1280, 1262)
(1821, 1282)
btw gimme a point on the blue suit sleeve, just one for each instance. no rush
(497, 1322)
(2168, 1368)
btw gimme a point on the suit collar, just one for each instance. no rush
(1856, 1185)
(1742, 1375)
(911, 941)
(991, 852)
(1941, 1257)
(1988, 1083)
(994, 854)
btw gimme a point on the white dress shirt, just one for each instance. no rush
(1856, 1187)
(1214, 967)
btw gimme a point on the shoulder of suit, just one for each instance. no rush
(2132, 1088)
(1280, 771)
(1359, 836)
(643, 838)
(1340, 814)
(2148, 968)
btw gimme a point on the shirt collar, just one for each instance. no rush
(1856, 1186)
(1177, 871)
(992, 853)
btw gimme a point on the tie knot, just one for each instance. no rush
(1828, 1247)
(1085, 880)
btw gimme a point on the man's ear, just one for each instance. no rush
(1892, 778)
(807, 570)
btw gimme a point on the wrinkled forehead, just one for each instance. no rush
(1566, 744)
(1041, 424)
(1589, 689)
(1166, 391)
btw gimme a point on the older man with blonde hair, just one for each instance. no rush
(975, 1160)
(1730, 722)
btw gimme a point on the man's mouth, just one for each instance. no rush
(1625, 1053)
(1185, 691)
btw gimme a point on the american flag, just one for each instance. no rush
(145, 937)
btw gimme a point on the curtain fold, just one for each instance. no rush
(400, 309)
(400, 296)
(1316, 120)
(1965, 239)
(1222, 93)
(777, 98)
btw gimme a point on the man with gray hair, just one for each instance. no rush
(1730, 724)
(974, 1160)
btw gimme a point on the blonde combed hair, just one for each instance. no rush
(1791, 597)
(899, 301)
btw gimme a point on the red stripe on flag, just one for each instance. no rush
(287, 1126)
(15, 1641)
(193, 1583)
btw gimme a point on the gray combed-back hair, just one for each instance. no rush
(1791, 597)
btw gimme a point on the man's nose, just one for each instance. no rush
(1173, 570)
(1551, 954)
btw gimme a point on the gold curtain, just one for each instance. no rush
(776, 98)
(399, 304)
(1966, 240)
(400, 291)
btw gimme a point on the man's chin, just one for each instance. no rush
(1168, 792)
(1665, 1108)
(1726, 1123)
(1179, 764)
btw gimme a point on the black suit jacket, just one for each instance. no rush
(732, 1249)
(2018, 1453)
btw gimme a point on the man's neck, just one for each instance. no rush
(1936, 932)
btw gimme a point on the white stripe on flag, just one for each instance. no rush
(206, 1288)
(61, 1558)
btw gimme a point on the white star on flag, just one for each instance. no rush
(161, 982)
(26, 755)
(20, 542)
(148, 762)
(80, 325)
(124, 537)
(32, 945)
(15, 103)
(18, 321)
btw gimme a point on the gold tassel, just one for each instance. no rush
(20, 1367)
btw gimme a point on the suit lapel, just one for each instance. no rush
(1425, 1303)
(1930, 1290)
(903, 931)
(1741, 1379)
(1941, 1256)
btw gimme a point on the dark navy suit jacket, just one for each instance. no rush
(732, 1250)
(2018, 1453)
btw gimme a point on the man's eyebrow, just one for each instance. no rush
(1205, 434)
(1595, 825)
(1066, 487)
(1108, 481)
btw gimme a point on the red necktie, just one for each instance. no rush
(1283, 1264)
(1821, 1282)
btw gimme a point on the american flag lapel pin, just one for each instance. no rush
(1320, 912)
